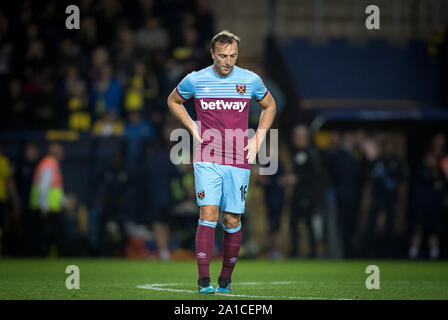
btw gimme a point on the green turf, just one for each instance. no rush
(118, 279)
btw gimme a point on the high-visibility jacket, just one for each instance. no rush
(52, 197)
(5, 173)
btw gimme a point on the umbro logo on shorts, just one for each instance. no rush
(201, 195)
(202, 255)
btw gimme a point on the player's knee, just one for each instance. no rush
(231, 220)
(209, 213)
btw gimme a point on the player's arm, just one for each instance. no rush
(266, 118)
(177, 109)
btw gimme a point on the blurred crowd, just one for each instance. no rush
(336, 193)
(355, 194)
(108, 79)
(111, 76)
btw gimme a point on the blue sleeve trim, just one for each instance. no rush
(263, 96)
(180, 94)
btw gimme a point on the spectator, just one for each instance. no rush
(438, 146)
(79, 117)
(137, 131)
(173, 71)
(108, 125)
(48, 113)
(159, 174)
(6, 50)
(428, 207)
(387, 179)
(126, 53)
(20, 114)
(306, 188)
(8, 193)
(70, 53)
(100, 58)
(344, 172)
(47, 200)
(88, 34)
(106, 93)
(24, 179)
(136, 127)
(107, 13)
(71, 78)
(190, 49)
(142, 90)
(112, 188)
(274, 89)
(153, 37)
(35, 57)
(205, 23)
(184, 192)
(274, 196)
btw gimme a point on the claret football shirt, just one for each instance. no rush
(222, 108)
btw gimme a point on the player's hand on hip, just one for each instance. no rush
(195, 132)
(252, 149)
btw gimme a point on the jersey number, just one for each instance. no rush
(243, 190)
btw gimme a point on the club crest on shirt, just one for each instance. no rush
(201, 195)
(241, 88)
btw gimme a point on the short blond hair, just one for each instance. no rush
(225, 37)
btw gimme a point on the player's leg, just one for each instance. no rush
(231, 243)
(205, 243)
(235, 187)
(208, 183)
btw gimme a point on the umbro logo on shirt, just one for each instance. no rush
(223, 105)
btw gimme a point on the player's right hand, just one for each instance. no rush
(195, 132)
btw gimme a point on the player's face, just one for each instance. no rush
(224, 56)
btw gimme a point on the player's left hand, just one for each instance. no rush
(253, 146)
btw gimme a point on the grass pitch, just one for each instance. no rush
(119, 279)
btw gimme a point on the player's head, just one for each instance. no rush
(224, 51)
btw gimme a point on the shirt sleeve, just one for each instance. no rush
(259, 90)
(186, 88)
